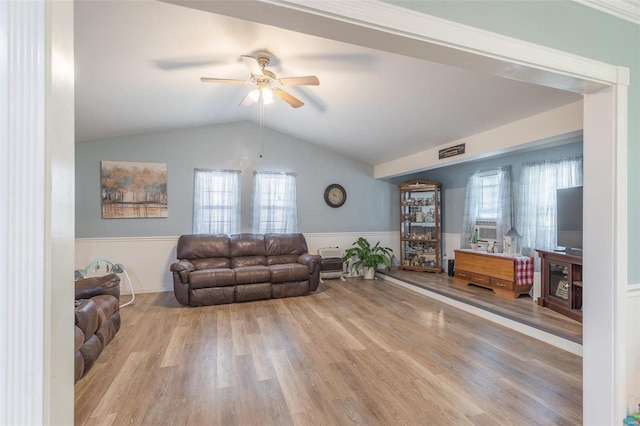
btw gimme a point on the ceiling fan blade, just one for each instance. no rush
(309, 80)
(293, 101)
(222, 80)
(253, 65)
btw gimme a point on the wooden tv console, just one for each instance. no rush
(490, 270)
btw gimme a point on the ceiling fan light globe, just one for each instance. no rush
(254, 95)
(267, 96)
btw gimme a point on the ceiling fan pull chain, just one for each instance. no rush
(261, 126)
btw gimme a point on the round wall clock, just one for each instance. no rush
(335, 195)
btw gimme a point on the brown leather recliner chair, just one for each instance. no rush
(97, 321)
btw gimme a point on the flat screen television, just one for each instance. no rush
(569, 219)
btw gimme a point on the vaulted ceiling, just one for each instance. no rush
(139, 63)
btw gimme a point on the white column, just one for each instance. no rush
(36, 212)
(605, 255)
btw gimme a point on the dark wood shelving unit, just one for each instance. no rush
(561, 283)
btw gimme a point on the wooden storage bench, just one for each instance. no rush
(491, 270)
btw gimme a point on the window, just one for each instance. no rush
(488, 186)
(537, 200)
(487, 206)
(216, 201)
(275, 205)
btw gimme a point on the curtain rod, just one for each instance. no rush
(217, 170)
(558, 160)
(275, 173)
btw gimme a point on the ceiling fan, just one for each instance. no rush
(268, 83)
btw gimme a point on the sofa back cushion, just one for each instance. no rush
(204, 251)
(284, 248)
(247, 250)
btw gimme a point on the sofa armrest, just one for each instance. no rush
(89, 287)
(313, 261)
(183, 267)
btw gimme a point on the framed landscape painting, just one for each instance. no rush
(133, 190)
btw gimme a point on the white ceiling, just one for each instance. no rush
(139, 63)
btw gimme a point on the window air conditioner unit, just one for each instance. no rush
(486, 230)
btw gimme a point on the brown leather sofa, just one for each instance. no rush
(97, 319)
(216, 269)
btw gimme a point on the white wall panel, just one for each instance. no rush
(147, 259)
(632, 349)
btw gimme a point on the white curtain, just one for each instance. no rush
(488, 198)
(216, 201)
(539, 181)
(275, 203)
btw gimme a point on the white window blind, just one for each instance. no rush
(216, 201)
(275, 204)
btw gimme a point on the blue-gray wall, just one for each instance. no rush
(571, 27)
(454, 178)
(370, 207)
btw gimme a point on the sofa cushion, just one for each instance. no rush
(297, 288)
(212, 263)
(87, 317)
(252, 274)
(241, 245)
(78, 339)
(202, 246)
(207, 278)
(246, 261)
(108, 331)
(282, 258)
(247, 292)
(282, 244)
(106, 306)
(212, 296)
(90, 351)
(289, 272)
(78, 366)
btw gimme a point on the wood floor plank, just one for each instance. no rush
(353, 353)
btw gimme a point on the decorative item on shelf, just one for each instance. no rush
(562, 291)
(367, 257)
(110, 268)
(512, 243)
(430, 216)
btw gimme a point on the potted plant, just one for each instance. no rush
(474, 241)
(368, 257)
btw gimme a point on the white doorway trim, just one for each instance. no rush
(387, 27)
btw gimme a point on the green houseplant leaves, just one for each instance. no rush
(367, 256)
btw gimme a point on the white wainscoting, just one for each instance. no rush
(147, 259)
(632, 350)
(451, 243)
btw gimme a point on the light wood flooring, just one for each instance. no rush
(354, 352)
(523, 309)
